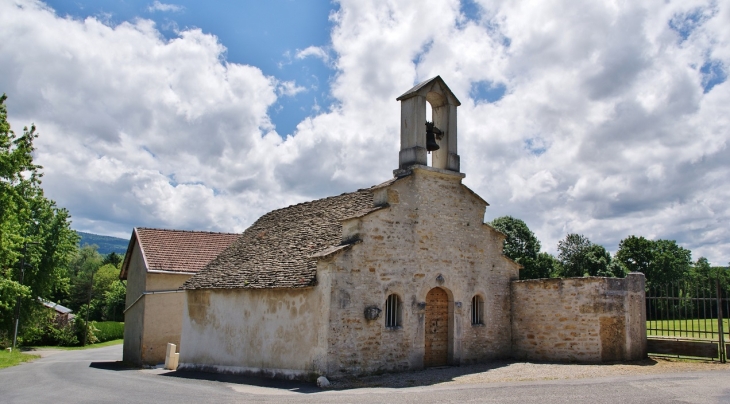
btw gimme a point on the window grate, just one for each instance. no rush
(392, 311)
(477, 310)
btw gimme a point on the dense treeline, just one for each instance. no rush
(39, 256)
(661, 261)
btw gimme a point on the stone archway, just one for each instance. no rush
(437, 328)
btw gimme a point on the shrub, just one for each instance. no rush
(80, 327)
(64, 334)
(109, 330)
(5, 340)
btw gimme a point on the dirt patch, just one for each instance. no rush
(510, 371)
(42, 352)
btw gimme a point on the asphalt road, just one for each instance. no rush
(95, 376)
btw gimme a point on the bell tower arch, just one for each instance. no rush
(417, 137)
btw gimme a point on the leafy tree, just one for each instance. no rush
(106, 278)
(597, 260)
(114, 301)
(521, 241)
(572, 254)
(84, 264)
(670, 262)
(702, 271)
(661, 261)
(108, 293)
(114, 259)
(545, 266)
(523, 247)
(615, 269)
(578, 256)
(636, 253)
(33, 230)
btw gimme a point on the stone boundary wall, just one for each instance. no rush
(579, 319)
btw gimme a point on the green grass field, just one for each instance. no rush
(687, 328)
(8, 359)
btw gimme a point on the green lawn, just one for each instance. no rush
(75, 348)
(686, 328)
(8, 359)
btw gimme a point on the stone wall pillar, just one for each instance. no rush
(635, 316)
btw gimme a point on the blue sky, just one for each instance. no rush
(266, 34)
(600, 118)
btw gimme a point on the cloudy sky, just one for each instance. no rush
(606, 118)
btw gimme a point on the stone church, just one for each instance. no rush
(403, 275)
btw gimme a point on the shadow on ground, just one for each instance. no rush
(426, 377)
(289, 385)
(116, 365)
(431, 376)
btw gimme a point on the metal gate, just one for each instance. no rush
(688, 319)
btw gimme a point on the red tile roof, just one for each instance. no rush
(177, 250)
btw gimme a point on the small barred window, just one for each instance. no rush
(393, 311)
(477, 310)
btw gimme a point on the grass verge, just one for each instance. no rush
(8, 359)
(76, 348)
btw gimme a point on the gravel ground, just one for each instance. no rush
(42, 352)
(510, 371)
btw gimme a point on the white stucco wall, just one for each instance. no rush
(271, 332)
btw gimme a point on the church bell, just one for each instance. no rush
(431, 132)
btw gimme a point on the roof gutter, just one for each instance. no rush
(155, 292)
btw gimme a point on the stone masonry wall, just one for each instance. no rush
(579, 319)
(432, 226)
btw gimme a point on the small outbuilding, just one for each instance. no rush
(63, 314)
(157, 262)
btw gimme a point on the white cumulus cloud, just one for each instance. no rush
(313, 51)
(157, 6)
(612, 119)
(289, 88)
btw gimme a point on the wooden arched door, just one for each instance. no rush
(437, 328)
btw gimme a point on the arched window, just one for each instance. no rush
(393, 309)
(477, 310)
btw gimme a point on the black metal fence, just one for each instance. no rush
(688, 318)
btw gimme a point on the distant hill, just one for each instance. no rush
(106, 244)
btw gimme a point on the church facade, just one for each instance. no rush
(403, 275)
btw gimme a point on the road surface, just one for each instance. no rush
(96, 376)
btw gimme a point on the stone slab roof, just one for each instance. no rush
(176, 250)
(427, 83)
(280, 249)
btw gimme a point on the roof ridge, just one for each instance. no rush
(186, 231)
(316, 200)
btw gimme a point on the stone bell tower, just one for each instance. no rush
(414, 146)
